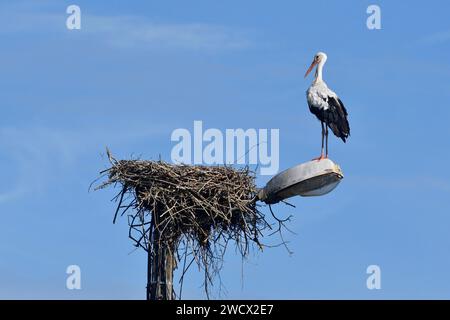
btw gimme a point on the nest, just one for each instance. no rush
(192, 212)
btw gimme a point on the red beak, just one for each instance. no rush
(311, 67)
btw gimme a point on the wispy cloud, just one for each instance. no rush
(436, 38)
(131, 31)
(37, 155)
(126, 31)
(26, 158)
(418, 182)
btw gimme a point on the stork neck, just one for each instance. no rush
(319, 73)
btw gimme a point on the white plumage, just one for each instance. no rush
(318, 95)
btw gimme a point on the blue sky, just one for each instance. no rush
(137, 71)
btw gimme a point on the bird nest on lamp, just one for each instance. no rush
(191, 211)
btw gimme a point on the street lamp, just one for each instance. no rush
(313, 178)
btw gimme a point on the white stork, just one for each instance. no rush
(326, 105)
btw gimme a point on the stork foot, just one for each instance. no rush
(321, 157)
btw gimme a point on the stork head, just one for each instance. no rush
(319, 59)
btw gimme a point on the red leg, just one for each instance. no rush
(321, 153)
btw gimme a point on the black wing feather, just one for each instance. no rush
(336, 118)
